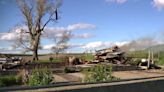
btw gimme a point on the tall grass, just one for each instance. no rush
(9, 80)
(161, 59)
(87, 57)
(40, 77)
(99, 73)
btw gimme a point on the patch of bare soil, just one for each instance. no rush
(138, 74)
(68, 77)
(76, 77)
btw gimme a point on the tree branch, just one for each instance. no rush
(50, 19)
(27, 12)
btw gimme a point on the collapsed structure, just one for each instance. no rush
(113, 55)
(116, 56)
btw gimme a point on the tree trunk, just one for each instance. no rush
(35, 55)
(35, 47)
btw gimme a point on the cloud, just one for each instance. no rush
(90, 45)
(101, 44)
(49, 46)
(159, 4)
(85, 35)
(9, 49)
(116, 1)
(81, 26)
(7, 36)
(57, 32)
(120, 43)
(13, 34)
(93, 45)
(50, 32)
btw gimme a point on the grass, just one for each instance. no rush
(9, 80)
(54, 60)
(88, 57)
(161, 59)
(99, 73)
(40, 77)
(138, 54)
(160, 62)
(159, 56)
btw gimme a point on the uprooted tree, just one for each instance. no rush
(37, 15)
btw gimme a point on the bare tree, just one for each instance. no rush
(61, 42)
(34, 11)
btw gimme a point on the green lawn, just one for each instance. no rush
(161, 60)
(54, 60)
(88, 57)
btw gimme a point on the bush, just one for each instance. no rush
(99, 73)
(135, 62)
(88, 57)
(161, 59)
(72, 69)
(22, 77)
(69, 70)
(40, 77)
(51, 59)
(8, 81)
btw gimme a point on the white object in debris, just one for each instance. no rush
(143, 60)
(95, 61)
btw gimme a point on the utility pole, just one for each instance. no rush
(148, 62)
(152, 58)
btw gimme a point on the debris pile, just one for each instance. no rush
(113, 55)
(9, 62)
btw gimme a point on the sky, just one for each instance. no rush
(95, 24)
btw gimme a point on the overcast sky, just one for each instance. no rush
(94, 23)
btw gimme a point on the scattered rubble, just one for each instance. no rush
(10, 62)
(113, 55)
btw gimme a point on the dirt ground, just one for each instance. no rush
(138, 74)
(76, 77)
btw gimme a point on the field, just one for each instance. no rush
(59, 63)
(158, 56)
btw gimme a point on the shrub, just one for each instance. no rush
(40, 77)
(161, 59)
(72, 69)
(88, 57)
(135, 62)
(51, 59)
(69, 70)
(99, 73)
(22, 77)
(7, 81)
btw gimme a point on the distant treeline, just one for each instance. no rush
(11, 55)
(2, 55)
